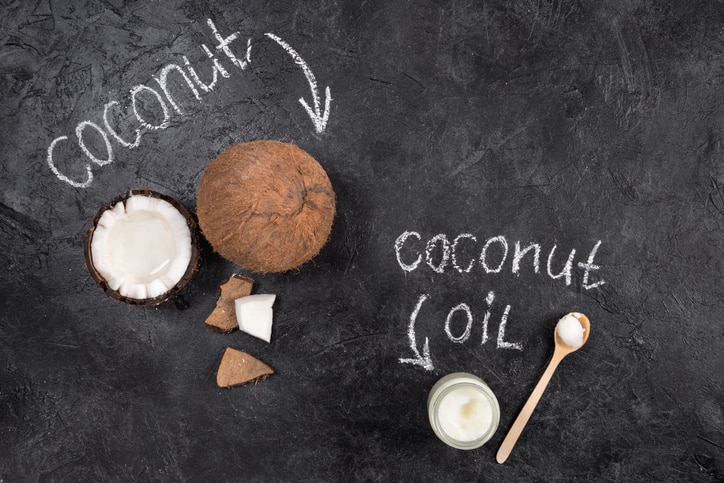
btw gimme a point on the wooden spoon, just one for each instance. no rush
(561, 351)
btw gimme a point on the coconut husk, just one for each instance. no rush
(265, 205)
(237, 368)
(223, 317)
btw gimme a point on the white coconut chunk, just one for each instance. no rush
(167, 210)
(100, 238)
(156, 289)
(570, 331)
(254, 315)
(119, 210)
(141, 248)
(107, 220)
(177, 269)
(124, 287)
(137, 203)
(136, 290)
(113, 282)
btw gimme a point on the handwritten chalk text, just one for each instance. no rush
(161, 100)
(455, 335)
(189, 76)
(463, 253)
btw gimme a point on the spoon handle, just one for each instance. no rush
(512, 437)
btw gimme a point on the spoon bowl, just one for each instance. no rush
(562, 349)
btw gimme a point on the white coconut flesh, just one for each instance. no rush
(254, 314)
(141, 247)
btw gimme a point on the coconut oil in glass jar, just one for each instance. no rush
(464, 413)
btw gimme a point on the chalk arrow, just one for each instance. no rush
(423, 360)
(319, 118)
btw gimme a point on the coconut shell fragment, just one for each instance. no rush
(237, 368)
(223, 317)
(267, 206)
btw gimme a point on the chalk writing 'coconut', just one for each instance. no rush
(464, 253)
(161, 103)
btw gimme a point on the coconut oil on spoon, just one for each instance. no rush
(571, 334)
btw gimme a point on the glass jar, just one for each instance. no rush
(464, 413)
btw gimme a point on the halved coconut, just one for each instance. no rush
(142, 248)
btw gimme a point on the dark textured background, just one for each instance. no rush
(549, 121)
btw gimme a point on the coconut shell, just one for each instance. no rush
(237, 368)
(223, 318)
(267, 206)
(190, 270)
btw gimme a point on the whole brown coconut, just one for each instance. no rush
(267, 206)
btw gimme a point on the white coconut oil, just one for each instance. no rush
(571, 331)
(463, 411)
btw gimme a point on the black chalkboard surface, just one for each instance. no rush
(456, 135)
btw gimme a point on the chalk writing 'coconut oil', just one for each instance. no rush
(463, 411)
